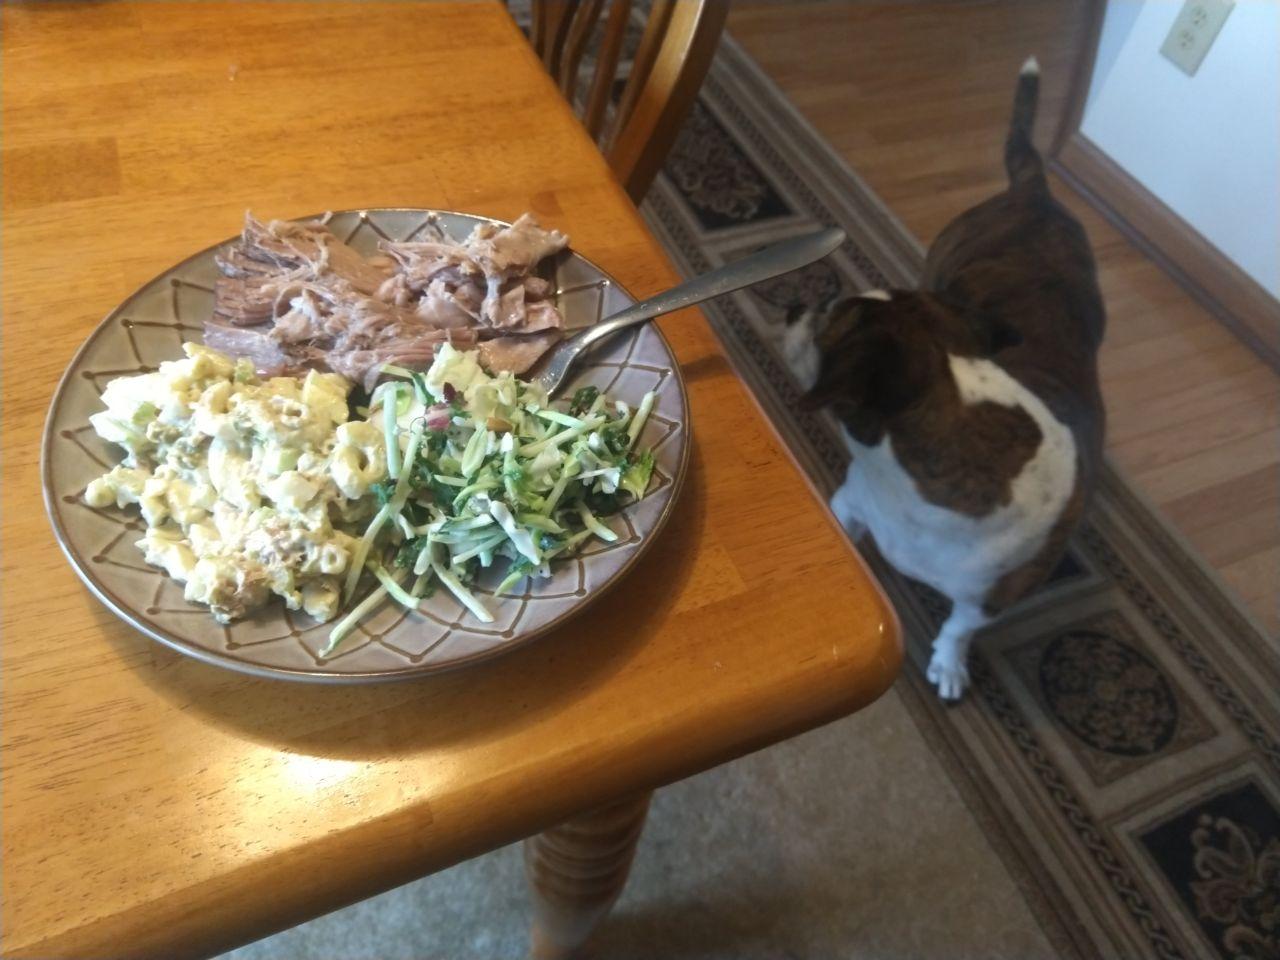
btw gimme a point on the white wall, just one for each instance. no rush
(1208, 145)
(1117, 25)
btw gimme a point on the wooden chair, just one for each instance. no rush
(668, 67)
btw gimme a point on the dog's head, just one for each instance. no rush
(872, 357)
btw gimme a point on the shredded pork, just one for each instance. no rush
(294, 297)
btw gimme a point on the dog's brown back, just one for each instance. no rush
(1025, 261)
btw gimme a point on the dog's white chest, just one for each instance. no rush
(961, 555)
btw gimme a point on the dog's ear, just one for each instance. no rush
(990, 333)
(832, 306)
(865, 380)
(994, 334)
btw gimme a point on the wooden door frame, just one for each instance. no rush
(1230, 294)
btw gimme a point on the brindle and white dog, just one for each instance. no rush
(970, 406)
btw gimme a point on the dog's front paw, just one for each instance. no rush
(948, 674)
(844, 504)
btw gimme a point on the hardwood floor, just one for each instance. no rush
(916, 97)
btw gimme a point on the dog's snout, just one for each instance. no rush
(796, 312)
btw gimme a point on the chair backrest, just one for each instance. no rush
(667, 68)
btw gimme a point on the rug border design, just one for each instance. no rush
(1141, 597)
(1190, 727)
(1232, 778)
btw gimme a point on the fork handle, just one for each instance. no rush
(764, 265)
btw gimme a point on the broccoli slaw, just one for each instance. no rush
(480, 469)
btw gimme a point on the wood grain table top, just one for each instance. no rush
(157, 806)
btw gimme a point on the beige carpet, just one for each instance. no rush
(849, 841)
(1109, 789)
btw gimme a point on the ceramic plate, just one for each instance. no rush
(150, 327)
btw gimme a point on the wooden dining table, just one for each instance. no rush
(158, 806)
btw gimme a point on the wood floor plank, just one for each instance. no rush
(1127, 417)
(1174, 346)
(1254, 580)
(1207, 431)
(916, 97)
(1212, 485)
(1155, 381)
(1245, 532)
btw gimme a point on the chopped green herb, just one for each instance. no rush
(384, 490)
(407, 554)
(582, 400)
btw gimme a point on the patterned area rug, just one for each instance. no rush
(1119, 744)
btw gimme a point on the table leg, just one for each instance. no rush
(577, 870)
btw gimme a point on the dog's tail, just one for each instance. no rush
(1021, 159)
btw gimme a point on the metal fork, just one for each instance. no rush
(553, 369)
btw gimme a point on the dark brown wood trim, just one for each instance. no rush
(1081, 76)
(1239, 301)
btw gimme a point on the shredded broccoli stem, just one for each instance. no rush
(390, 430)
(473, 454)
(348, 623)
(553, 498)
(568, 545)
(474, 551)
(393, 588)
(389, 510)
(511, 579)
(422, 565)
(594, 525)
(465, 597)
(642, 414)
(403, 488)
(362, 551)
(405, 527)
(555, 416)
(470, 491)
(519, 538)
(510, 471)
(470, 523)
(539, 522)
(532, 449)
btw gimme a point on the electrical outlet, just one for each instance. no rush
(1194, 31)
